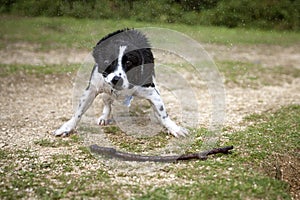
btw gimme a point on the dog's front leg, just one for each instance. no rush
(85, 101)
(159, 108)
(96, 82)
(104, 119)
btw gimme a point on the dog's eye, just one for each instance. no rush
(105, 74)
(128, 63)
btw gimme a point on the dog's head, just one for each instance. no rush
(125, 59)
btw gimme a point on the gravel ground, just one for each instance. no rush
(32, 107)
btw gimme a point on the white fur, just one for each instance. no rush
(119, 70)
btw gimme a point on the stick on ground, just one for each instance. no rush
(113, 153)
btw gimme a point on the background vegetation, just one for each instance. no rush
(266, 14)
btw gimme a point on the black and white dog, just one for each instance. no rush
(124, 63)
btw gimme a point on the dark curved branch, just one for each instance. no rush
(111, 152)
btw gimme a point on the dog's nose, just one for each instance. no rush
(117, 80)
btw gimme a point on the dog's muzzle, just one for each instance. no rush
(117, 82)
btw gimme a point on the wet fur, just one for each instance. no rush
(124, 63)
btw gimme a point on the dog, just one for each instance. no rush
(124, 64)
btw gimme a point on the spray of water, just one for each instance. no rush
(182, 67)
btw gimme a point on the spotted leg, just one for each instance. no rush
(152, 94)
(104, 119)
(85, 101)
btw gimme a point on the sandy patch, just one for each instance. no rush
(267, 55)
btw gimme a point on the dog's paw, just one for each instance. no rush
(178, 131)
(175, 130)
(102, 121)
(65, 130)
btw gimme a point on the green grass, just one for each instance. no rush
(243, 74)
(44, 180)
(243, 174)
(136, 144)
(52, 33)
(236, 74)
(245, 187)
(10, 69)
(240, 175)
(59, 142)
(278, 132)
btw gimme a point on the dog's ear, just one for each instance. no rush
(148, 71)
(139, 67)
(106, 55)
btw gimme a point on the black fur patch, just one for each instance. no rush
(137, 61)
(161, 108)
(112, 34)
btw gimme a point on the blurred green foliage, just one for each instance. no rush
(266, 14)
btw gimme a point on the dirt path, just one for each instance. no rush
(33, 107)
(267, 55)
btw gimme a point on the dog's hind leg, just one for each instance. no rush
(96, 81)
(104, 119)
